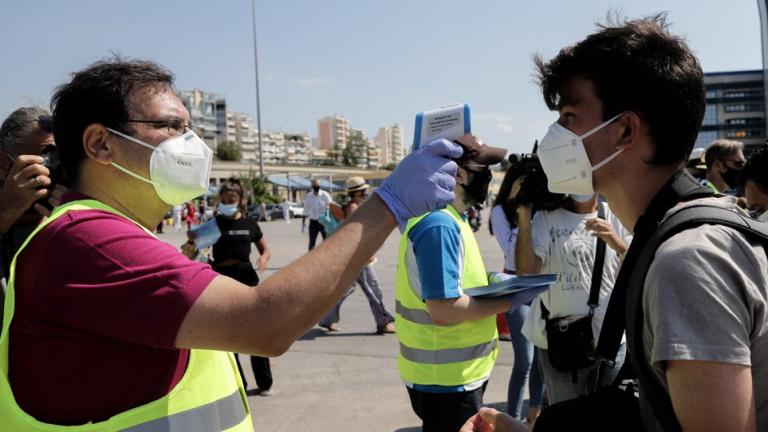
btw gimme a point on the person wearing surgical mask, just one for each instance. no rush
(231, 257)
(316, 203)
(725, 161)
(755, 181)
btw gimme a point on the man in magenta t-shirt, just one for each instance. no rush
(105, 314)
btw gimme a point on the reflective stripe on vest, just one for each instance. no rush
(209, 397)
(219, 415)
(415, 315)
(448, 355)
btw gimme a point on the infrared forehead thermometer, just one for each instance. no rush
(450, 122)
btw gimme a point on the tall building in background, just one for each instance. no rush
(332, 132)
(242, 132)
(390, 142)
(273, 147)
(208, 114)
(281, 148)
(735, 108)
(298, 148)
(374, 155)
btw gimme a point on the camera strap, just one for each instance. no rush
(597, 272)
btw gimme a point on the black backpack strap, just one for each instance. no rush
(597, 270)
(682, 187)
(679, 220)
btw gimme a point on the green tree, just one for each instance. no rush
(258, 187)
(348, 157)
(335, 155)
(228, 151)
(356, 150)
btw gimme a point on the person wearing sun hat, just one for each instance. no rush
(357, 189)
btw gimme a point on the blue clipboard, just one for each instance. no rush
(512, 285)
(205, 235)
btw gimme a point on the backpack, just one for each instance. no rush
(625, 309)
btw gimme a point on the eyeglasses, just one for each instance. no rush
(174, 125)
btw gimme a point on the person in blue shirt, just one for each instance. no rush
(448, 339)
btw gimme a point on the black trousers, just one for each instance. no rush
(261, 371)
(246, 274)
(441, 412)
(314, 228)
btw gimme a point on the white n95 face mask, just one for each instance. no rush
(179, 168)
(565, 161)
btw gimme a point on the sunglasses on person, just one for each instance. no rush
(45, 123)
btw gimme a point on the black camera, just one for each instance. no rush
(534, 188)
(50, 155)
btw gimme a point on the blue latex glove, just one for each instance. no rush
(422, 182)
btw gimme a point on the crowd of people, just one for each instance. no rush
(683, 317)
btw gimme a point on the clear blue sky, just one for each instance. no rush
(375, 62)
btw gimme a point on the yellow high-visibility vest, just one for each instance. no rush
(446, 355)
(209, 397)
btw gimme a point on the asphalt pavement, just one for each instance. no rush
(347, 380)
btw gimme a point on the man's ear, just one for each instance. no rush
(96, 144)
(631, 133)
(719, 166)
(462, 176)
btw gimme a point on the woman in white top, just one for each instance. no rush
(503, 225)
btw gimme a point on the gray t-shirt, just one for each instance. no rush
(705, 299)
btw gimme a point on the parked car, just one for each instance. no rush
(295, 210)
(275, 211)
(254, 212)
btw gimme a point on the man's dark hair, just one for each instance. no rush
(720, 150)
(756, 169)
(638, 66)
(99, 94)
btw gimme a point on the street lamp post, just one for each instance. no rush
(258, 104)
